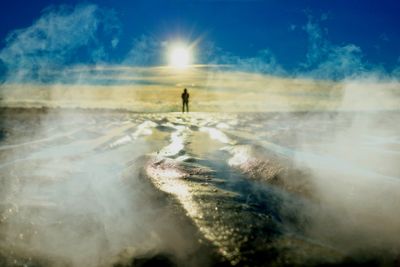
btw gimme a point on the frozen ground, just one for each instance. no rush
(96, 188)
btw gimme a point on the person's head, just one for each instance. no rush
(185, 90)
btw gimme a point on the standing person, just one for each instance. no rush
(185, 100)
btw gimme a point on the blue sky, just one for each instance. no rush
(242, 28)
(272, 52)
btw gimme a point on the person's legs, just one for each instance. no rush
(187, 106)
(183, 107)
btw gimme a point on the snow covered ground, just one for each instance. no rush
(97, 188)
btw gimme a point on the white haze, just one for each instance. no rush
(355, 175)
(355, 170)
(358, 186)
(92, 209)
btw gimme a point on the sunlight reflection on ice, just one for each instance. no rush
(142, 130)
(216, 134)
(177, 143)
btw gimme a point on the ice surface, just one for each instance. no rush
(82, 188)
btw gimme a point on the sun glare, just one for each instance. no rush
(179, 57)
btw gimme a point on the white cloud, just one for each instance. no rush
(114, 42)
(145, 51)
(54, 40)
(325, 60)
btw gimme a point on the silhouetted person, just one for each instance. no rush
(185, 100)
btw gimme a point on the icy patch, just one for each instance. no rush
(240, 155)
(177, 144)
(168, 177)
(143, 129)
(124, 140)
(171, 125)
(185, 158)
(216, 134)
(223, 125)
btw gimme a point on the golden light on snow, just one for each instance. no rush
(180, 56)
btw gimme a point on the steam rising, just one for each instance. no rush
(62, 35)
(354, 170)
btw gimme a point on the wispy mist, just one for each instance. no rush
(63, 60)
(62, 35)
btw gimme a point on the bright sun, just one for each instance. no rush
(179, 57)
